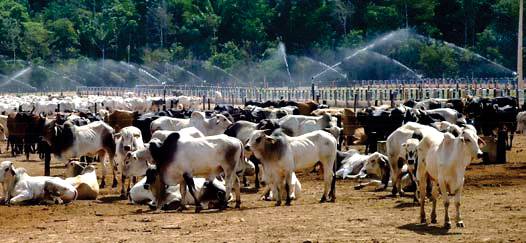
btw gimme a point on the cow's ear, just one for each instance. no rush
(271, 140)
(481, 142)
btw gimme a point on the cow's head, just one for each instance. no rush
(214, 193)
(136, 162)
(264, 146)
(74, 168)
(473, 143)
(128, 140)
(375, 165)
(220, 121)
(409, 151)
(7, 169)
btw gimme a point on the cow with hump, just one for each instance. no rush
(443, 161)
(281, 155)
(178, 158)
(127, 140)
(69, 141)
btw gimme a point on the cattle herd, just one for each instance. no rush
(190, 157)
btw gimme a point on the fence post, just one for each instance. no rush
(355, 101)
(313, 92)
(391, 98)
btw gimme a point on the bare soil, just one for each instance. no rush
(492, 204)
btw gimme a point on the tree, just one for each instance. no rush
(35, 42)
(437, 60)
(64, 38)
(12, 34)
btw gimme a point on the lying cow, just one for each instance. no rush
(84, 178)
(19, 187)
(281, 155)
(352, 165)
(212, 193)
(443, 161)
(127, 140)
(69, 141)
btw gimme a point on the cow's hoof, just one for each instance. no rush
(102, 184)
(115, 183)
(287, 203)
(332, 199)
(433, 221)
(152, 207)
(447, 225)
(460, 224)
(278, 203)
(423, 221)
(238, 204)
(198, 209)
(358, 187)
(323, 199)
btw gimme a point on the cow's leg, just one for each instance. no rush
(266, 193)
(460, 223)
(182, 190)
(103, 178)
(256, 166)
(422, 190)
(443, 189)
(123, 182)
(237, 189)
(277, 185)
(189, 180)
(329, 181)
(434, 197)
(288, 183)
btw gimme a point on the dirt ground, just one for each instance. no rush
(492, 204)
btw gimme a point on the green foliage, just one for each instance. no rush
(438, 60)
(229, 33)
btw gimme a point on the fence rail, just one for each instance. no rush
(334, 96)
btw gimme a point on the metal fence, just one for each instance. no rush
(358, 95)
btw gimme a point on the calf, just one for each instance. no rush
(127, 140)
(443, 160)
(69, 141)
(281, 155)
(19, 187)
(178, 158)
(352, 166)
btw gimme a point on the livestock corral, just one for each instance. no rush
(137, 168)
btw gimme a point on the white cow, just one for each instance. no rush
(281, 155)
(213, 126)
(352, 166)
(395, 152)
(19, 187)
(443, 160)
(179, 158)
(127, 140)
(69, 141)
(136, 162)
(83, 178)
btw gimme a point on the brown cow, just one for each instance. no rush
(119, 119)
(308, 107)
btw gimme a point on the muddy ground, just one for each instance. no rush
(493, 207)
